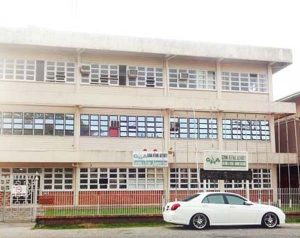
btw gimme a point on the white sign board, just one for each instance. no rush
(149, 159)
(224, 160)
(19, 190)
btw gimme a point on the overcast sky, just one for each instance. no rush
(255, 22)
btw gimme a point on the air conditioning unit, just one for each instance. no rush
(183, 76)
(132, 73)
(85, 69)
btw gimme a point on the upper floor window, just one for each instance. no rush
(244, 82)
(58, 71)
(123, 75)
(246, 129)
(18, 69)
(100, 74)
(29, 123)
(194, 128)
(37, 70)
(121, 126)
(191, 78)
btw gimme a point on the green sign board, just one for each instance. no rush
(224, 160)
(149, 159)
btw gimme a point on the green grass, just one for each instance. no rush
(104, 225)
(293, 220)
(130, 211)
(294, 208)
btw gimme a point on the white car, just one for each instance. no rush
(202, 210)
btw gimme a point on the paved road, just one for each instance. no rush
(25, 231)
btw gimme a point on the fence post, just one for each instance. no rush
(4, 203)
(247, 190)
(163, 203)
(36, 179)
(98, 205)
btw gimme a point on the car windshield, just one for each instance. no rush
(189, 198)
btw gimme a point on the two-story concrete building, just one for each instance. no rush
(74, 107)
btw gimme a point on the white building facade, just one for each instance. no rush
(74, 107)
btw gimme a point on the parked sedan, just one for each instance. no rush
(221, 209)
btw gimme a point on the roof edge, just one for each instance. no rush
(44, 37)
(290, 97)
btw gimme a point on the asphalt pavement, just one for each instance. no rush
(24, 230)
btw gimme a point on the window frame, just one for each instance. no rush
(198, 79)
(244, 82)
(25, 70)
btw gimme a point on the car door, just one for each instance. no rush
(239, 212)
(215, 207)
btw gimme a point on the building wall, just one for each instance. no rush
(106, 152)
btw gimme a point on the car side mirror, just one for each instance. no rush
(248, 203)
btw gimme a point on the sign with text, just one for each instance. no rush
(149, 159)
(224, 160)
(19, 190)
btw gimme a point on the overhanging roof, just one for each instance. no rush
(278, 57)
(290, 98)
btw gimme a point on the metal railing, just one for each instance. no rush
(140, 202)
(101, 203)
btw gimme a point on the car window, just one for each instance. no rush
(189, 198)
(235, 200)
(215, 199)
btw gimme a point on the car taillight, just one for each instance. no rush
(175, 206)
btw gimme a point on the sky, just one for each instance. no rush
(272, 23)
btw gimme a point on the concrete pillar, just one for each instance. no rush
(220, 130)
(76, 184)
(221, 185)
(77, 71)
(274, 184)
(76, 169)
(220, 144)
(270, 82)
(77, 129)
(272, 133)
(219, 78)
(247, 190)
(166, 76)
(166, 148)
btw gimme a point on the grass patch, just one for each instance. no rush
(292, 209)
(130, 211)
(292, 220)
(104, 225)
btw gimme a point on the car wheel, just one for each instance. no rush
(270, 220)
(199, 221)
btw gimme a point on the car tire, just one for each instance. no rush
(270, 220)
(199, 221)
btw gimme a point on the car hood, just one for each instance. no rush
(266, 207)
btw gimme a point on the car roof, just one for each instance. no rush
(209, 193)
